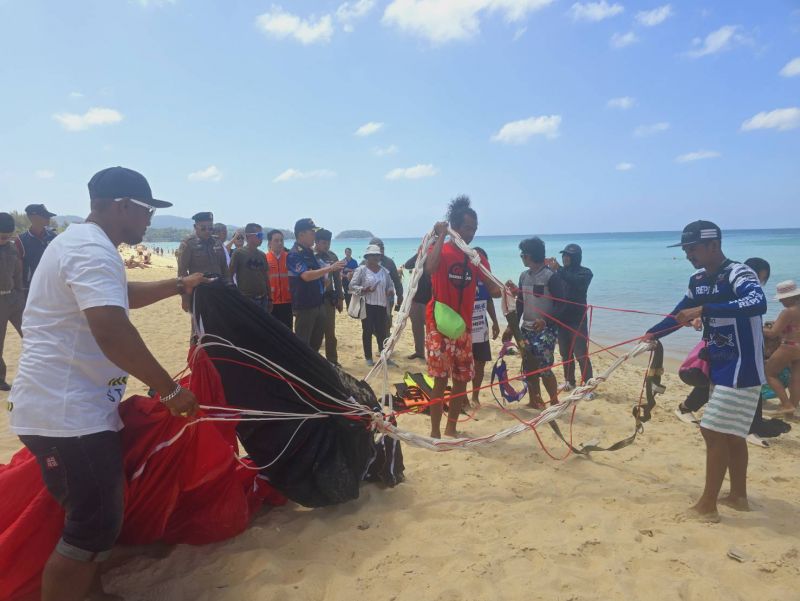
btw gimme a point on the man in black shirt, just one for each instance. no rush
(573, 343)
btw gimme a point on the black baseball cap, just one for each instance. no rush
(699, 231)
(203, 216)
(39, 210)
(119, 182)
(303, 225)
(572, 249)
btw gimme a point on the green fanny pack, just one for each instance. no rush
(448, 322)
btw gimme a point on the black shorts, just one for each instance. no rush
(85, 475)
(481, 351)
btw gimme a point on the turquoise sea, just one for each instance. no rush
(631, 271)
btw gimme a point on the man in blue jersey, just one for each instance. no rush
(728, 298)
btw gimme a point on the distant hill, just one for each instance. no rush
(161, 222)
(354, 235)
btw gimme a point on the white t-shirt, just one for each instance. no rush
(66, 386)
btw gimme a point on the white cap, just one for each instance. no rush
(786, 289)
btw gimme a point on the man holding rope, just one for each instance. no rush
(448, 339)
(728, 298)
(78, 350)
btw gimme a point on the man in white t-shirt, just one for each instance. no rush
(78, 348)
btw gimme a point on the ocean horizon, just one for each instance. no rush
(632, 271)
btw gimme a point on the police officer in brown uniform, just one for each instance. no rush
(201, 252)
(11, 297)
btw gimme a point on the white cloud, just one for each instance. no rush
(620, 40)
(651, 18)
(281, 24)
(780, 119)
(595, 11)
(623, 102)
(94, 116)
(698, 155)
(368, 129)
(75, 95)
(349, 12)
(415, 172)
(792, 68)
(649, 130)
(519, 33)
(386, 150)
(722, 39)
(441, 21)
(45, 174)
(293, 174)
(518, 132)
(624, 166)
(209, 174)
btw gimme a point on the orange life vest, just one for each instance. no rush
(279, 278)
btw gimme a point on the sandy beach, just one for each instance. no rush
(502, 523)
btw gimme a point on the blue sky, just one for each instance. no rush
(553, 116)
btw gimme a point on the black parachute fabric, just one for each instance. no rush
(315, 462)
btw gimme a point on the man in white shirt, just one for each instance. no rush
(78, 348)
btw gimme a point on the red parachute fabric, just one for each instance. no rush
(184, 485)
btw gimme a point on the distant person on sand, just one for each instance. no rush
(12, 298)
(787, 328)
(201, 252)
(453, 279)
(573, 331)
(417, 310)
(391, 267)
(279, 278)
(333, 294)
(306, 281)
(78, 350)
(728, 298)
(481, 351)
(373, 282)
(221, 236)
(350, 265)
(34, 240)
(249, 265)
(538, 294)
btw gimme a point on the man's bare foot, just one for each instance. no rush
(535, 402)
(436, 434)
(737, 503)
(696, 514)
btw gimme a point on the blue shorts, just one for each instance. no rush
(542, 345)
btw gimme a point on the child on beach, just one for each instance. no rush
(787, 328)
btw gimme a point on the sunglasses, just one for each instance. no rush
(150, 209)
(259, 235)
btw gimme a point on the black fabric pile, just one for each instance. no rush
(317, 462)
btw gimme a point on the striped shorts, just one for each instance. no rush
(731, 410)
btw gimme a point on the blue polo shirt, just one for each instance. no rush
(305, 295)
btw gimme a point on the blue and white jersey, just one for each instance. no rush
(733, 303)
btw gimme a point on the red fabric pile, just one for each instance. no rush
(185, 488)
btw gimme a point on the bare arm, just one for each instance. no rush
(141, 294)
(123, 346)
(314, 274)
(432, 260)
(785, 318)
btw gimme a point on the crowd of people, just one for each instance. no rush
(79, 345)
